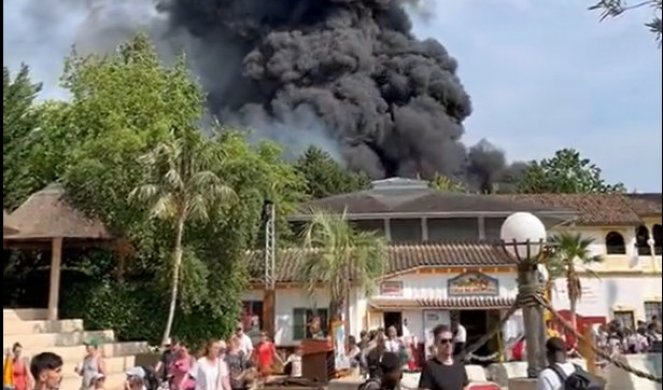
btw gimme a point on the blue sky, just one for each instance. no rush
(544, 75)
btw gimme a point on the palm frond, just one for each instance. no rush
(165, 207)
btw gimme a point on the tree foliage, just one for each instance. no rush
(124, 106)
(20, 120)
(346, 257)
(570, 251)
(615, 8)
(565, 173)
(445, 184)
(325, 177)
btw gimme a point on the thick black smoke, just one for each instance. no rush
(348, 72)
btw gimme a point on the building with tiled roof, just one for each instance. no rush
(444, 258)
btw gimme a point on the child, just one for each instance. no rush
(46, 369)
(293, 365)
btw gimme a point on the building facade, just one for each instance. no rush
(444, 260)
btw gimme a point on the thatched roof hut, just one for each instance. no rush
(46, 220)
(7, 229)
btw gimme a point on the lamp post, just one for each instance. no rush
(523, 236)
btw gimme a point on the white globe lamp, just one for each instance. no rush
(523, 236)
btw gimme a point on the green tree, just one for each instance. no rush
(180, 186)
(445, 184)
(325, 177)
(565, 173)
(615, 8)
(570, 251)
(20, 119)
(345, 256)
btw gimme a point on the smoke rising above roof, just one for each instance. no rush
(347, 76)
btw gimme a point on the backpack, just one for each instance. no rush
(579, 379)
(151, 380)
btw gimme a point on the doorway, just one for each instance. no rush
(476, 325)
(395, 319)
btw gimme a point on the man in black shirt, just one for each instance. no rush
(168, 356)
(443, 372)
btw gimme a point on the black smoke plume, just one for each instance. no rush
(349, 72)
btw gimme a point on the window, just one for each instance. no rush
(657, 232)
(614, 243)
(302, 317)
(641, 238)
(625, 317)
(252, 315)
(653, 309)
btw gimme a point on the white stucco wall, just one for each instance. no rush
(602, 296)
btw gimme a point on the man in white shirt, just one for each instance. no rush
(460, 338)
(245, 343)
(550, 379)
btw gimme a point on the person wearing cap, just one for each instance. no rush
(92, 364)
(392, 373)
(245, 342)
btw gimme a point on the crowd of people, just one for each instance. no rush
(237, 364)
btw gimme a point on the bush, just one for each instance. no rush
(139, 313)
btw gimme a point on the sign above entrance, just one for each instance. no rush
(473, 283)
(391, 288)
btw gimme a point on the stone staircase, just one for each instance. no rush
(65, 338)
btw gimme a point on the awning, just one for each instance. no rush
(454, 303)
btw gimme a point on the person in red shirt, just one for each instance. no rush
(264, 355)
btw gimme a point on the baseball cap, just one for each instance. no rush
(136, 371)
(96, 377)
(92, 343)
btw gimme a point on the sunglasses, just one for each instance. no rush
(445, 341)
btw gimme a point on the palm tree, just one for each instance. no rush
(571, 250)
(180, 186)
(344, 256)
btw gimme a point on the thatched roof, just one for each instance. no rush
(7, 229)
(46, 214)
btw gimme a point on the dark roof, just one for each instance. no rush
(646, 204)
(46, 214)
(399, 258)
(592, 209)
(411, 197)
(453, 303)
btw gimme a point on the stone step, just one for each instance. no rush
(114, 365)
(49, 340)
(24, 314)
(114, 381)
(77, 352)
(19, 327)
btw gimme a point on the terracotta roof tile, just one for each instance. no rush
(46, 214)
(399, 258)
(646, 204)
(592, 209)
(454, 303)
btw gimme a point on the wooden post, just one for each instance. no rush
(54, 288)
(586, 350)
(268, 312)
(535, 332)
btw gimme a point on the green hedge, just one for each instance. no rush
(136, 311)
